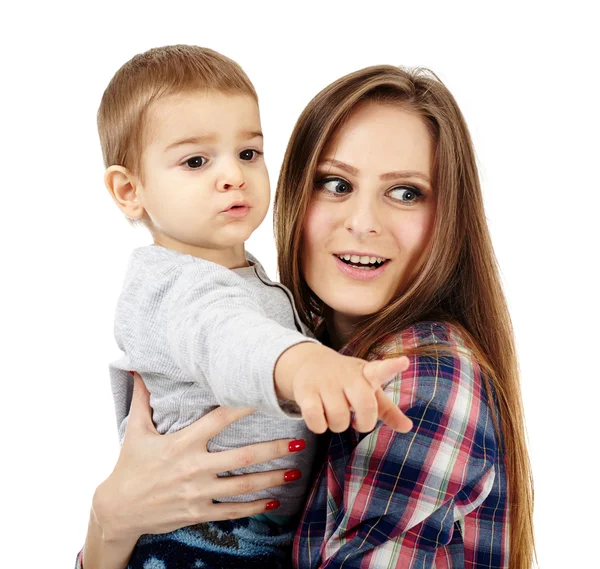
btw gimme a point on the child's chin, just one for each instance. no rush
(236, 234)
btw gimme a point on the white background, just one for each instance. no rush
(525, 77)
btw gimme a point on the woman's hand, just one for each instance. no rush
(165, 482)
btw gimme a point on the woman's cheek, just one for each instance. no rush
(318, 225)
(412, 239)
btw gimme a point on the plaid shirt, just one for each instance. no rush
(432, 498)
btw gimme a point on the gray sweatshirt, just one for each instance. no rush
(202, 335)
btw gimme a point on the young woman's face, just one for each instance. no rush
(372, 211)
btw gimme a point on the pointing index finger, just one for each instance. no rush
(381, 371)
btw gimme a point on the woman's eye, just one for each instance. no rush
(249, 154)
(195, 162)
(335, 186)
(406, 194)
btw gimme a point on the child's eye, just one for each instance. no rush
(335, 186)
(195, 162)
(249, 154)
(406, 194)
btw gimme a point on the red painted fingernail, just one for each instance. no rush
(297, 445)
(292, 475)
(272, 505)
(131, 373)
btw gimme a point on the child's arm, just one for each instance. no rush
(218, 330)
(326, 385)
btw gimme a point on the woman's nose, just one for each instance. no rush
(231, 176)
(362, 219)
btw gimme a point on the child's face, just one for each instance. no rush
(206, 186)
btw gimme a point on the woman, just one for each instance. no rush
(382, 239)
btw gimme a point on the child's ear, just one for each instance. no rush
(123, 188)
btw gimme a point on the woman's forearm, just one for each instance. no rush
(101, 553)
(165, 482)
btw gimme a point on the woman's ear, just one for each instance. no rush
(123, 188)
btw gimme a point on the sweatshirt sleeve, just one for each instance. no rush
(219, 331)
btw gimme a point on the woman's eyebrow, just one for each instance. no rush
(383, 177)
(341, 165)
(404, 174)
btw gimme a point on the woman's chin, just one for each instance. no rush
(356, 308)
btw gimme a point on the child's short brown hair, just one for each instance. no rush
(151, 75)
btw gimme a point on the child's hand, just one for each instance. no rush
(327, 391)
(327, 386)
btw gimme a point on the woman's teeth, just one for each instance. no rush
(366, 262)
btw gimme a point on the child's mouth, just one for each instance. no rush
(237, 210)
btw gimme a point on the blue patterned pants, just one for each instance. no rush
(247, 543)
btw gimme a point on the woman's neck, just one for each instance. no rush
(340, 328)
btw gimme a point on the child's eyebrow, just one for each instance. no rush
(191, 140)
(245, 135)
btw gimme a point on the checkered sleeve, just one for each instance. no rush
(402, 494)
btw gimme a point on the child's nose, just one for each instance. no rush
(231, 176)
(230, 186)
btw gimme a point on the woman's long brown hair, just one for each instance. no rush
(459, 281)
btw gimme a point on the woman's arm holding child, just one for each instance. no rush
(164, 482)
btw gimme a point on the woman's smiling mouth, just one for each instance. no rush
(361, 267)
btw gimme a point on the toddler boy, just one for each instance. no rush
(198, 317)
